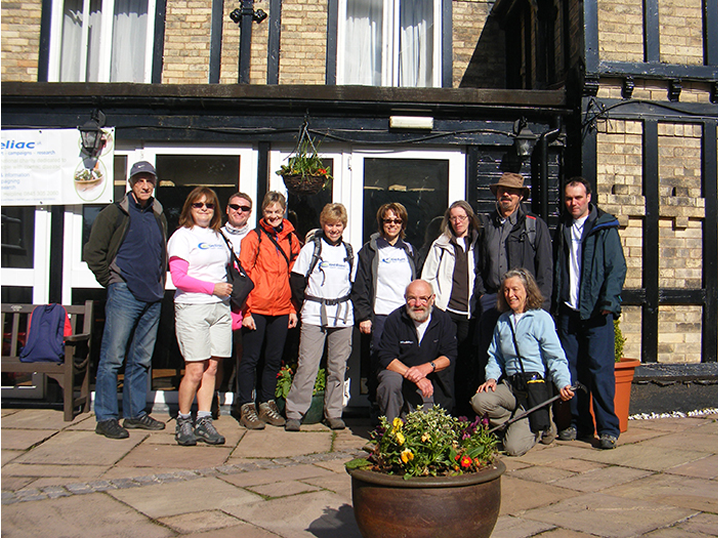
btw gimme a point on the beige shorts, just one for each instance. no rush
(203, 331)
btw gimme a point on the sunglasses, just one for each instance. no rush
(200, 205)
(392, 221)
(236, 207)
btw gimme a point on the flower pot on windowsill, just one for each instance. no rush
(308, 184)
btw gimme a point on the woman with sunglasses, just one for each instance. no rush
(450, 269)
(386, 266)
(268, 254)
(198, 258)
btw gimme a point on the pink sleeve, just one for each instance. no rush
(178, 273)
(237, 318)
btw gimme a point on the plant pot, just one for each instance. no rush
(308, 184)
(464, 506)
(314, 414)
(624, 373)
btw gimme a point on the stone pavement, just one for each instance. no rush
(62, 480)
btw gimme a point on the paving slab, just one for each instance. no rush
(689, 440)
(702, 468)
(181, 497)
(294, 472)
(175, 456)
(517, 527)
(519, 495)
(21, 439)
(601, 479)
(312, 514)
(557, 452)
(282, 489)
(96, 514)
(648, 457)
(605, 515)
(80, 447)
(577, 465)
(672, 424)
(337, 483)
(39, 419)
(683, 492)
(14, 483)
(277, 443)
(66, 472)
(545, 474)
(243, 530)
(9, 455)
(199, 521)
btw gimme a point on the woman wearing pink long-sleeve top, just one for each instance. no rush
(198, 258)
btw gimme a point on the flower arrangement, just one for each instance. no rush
(285, 378)
(429, 443)
(305, 172)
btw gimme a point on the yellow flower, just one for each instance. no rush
(406, 455)
(397, 424)
(400, 438)
(425, 437)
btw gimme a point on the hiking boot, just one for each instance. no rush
(111, 429)
(335, 423)
(547, 436)
(270, 413)
(292, 425)
(607, 441)
(249, 417)
(143, 422)
(206, 432)
(568, 434)
(184, 434)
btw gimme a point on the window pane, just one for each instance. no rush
(416, 43)
(129, 40)
(363, 42)
(18, 237)
(421, 185)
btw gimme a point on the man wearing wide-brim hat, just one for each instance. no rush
(512, 238)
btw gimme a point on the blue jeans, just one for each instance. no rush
(130, 327)
(590, 349)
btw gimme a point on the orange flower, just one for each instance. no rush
(466, 462)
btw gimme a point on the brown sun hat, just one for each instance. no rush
(511, 180)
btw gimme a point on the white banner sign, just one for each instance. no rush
(47, 167)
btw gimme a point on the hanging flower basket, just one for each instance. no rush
(305, 172)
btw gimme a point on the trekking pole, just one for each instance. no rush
(574, 388)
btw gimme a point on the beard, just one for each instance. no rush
(419, 313)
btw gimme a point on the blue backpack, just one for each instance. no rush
(46, 330)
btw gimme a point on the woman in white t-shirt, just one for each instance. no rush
(198, 258)
(321, 281)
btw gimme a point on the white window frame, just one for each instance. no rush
(391, 42)
(106, 38)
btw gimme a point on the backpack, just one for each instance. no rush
(317, 253)
(47, 327)
(531, 229)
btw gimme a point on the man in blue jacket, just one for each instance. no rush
(417, 355)
(589, 276)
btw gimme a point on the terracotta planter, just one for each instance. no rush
(624, 373)
(465, 506)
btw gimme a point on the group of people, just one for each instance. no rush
(470, 330)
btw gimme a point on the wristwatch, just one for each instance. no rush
(433, 365)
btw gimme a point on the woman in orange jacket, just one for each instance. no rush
(268, 254)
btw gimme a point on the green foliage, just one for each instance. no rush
(619, 341)
(432, 443)
(304, 162)
(285, 378)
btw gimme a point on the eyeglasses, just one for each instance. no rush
(243, 208)
(459, 218)
(392, 221)
(200, 205)
(423, 299)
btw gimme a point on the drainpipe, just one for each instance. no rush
(544, 141)
(245, 17)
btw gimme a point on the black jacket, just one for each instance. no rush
(400, 341)
(534, 255)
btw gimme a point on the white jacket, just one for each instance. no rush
(439, 266)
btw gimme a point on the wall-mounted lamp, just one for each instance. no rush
(91, 137)
(524, 138)
(411, 122)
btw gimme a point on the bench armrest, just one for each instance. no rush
(77, 337)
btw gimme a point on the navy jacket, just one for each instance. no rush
(400, 341)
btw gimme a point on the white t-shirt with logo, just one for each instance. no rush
(207, 255)
(330, 279)
(393, 276)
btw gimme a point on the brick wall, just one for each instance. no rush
(681, 24)
(478, 46)
(20, 31)
(303, 42)
(680, 337)
(231, 46)
(187, 42)
(620, 34)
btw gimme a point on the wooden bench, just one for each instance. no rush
(77, 353)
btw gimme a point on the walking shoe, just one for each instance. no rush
(568, 434)
(292, 425)
(335, 423)
(206, 432)
(271, 414)
(143, 422)
(249, 417)
(547, 436)
(608, 441)
(184, 434)
(111, 429)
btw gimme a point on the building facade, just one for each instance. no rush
(215, 92)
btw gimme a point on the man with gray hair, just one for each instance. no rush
(417, 355)
(127, 254)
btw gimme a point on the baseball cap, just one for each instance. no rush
(142, 167)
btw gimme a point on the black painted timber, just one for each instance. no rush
(710, 241)
(159, 41)
(274, 30)
(651, 27)
(651, 242)
(216, 26)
